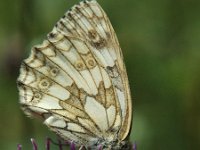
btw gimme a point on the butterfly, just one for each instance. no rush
(76, 80)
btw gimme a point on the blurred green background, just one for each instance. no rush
(160, 40)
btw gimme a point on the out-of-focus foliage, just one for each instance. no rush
(161, 46)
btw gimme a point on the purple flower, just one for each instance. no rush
(134, 146)
(48, 145)
(19, 147)
(71, 144)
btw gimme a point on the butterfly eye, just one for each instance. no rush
(54, 72)
(44, 84)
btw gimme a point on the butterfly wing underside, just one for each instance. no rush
(76, 79)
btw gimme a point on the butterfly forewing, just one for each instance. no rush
(76, 79)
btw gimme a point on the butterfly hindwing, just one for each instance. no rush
(76, 79)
